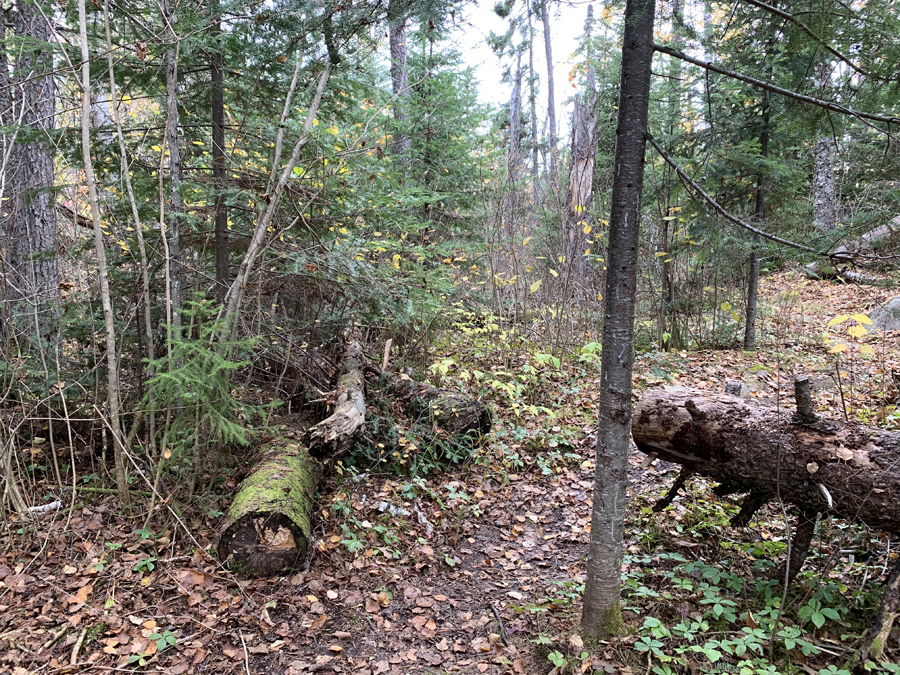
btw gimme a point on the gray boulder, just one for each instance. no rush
(887, 316)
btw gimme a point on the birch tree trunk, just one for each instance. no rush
(513, 156)
(602, 612)
(112, 364)
(532, 101)
(581, 180)
(551, 98)
(824, 195)
(759, 215)
(28, 227)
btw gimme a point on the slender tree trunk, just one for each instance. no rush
(759, 215)
(514, 156)
(112, 365)
(551, 100)
(824, 195)
(602, 613)
(532, 101)
(229, 309)
(400, 80)
(173, 229)
(28, 227)
(581, 180)
(218, 157)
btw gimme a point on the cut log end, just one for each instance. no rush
(263, 544)
(267, 528)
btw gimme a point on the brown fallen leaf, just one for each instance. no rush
(82, 594)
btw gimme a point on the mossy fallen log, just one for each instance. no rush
(267, 528)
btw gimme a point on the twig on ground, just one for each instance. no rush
(77, 648)
(503, 635)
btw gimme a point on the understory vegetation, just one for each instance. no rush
(204, 205)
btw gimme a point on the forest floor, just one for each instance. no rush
(479, 568)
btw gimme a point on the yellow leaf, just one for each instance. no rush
(725, 306)
(857, 331)
(862, 318)
(536, 285)
(838, 348)
(554, 273)
(599, 296)
(866, 349)
(587, 229)
(838, 320)
(167, 454)
(525, 241)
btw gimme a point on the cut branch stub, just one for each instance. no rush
(806, 414)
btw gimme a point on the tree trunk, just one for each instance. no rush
(532, 101)
(551, 98)
(602, 613)
(837, 468)
(759, 215)
(28, 227)
(400, 81)
(513, 156)
(268, 527)
(581, 180)
(334, 435)
(218, 157)
(109, 320)
(173, 228)
(824, 197)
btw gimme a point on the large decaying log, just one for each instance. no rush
(835, 468)
(334, 435)
(267, 528)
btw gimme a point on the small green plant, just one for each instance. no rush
(139, 659)
(164, 640)
(557, 659)
(145, 565)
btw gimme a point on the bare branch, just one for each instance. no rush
(734, 219)
(806, 29)
(828, 105)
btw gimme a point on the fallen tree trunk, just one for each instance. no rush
(456, 413)
(267, 528)
(334, 435)
(841, 469)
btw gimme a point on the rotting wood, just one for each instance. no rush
(456, 413)
(334, 435)
(267, 528)
(840, 469)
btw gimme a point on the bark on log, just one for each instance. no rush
(267, 528)
(840, 469)
(334, 435)
(456, 413)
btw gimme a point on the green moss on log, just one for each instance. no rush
(267, 528)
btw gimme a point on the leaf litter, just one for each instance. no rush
(475, 570)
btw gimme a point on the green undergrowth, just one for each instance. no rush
(700, 594)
